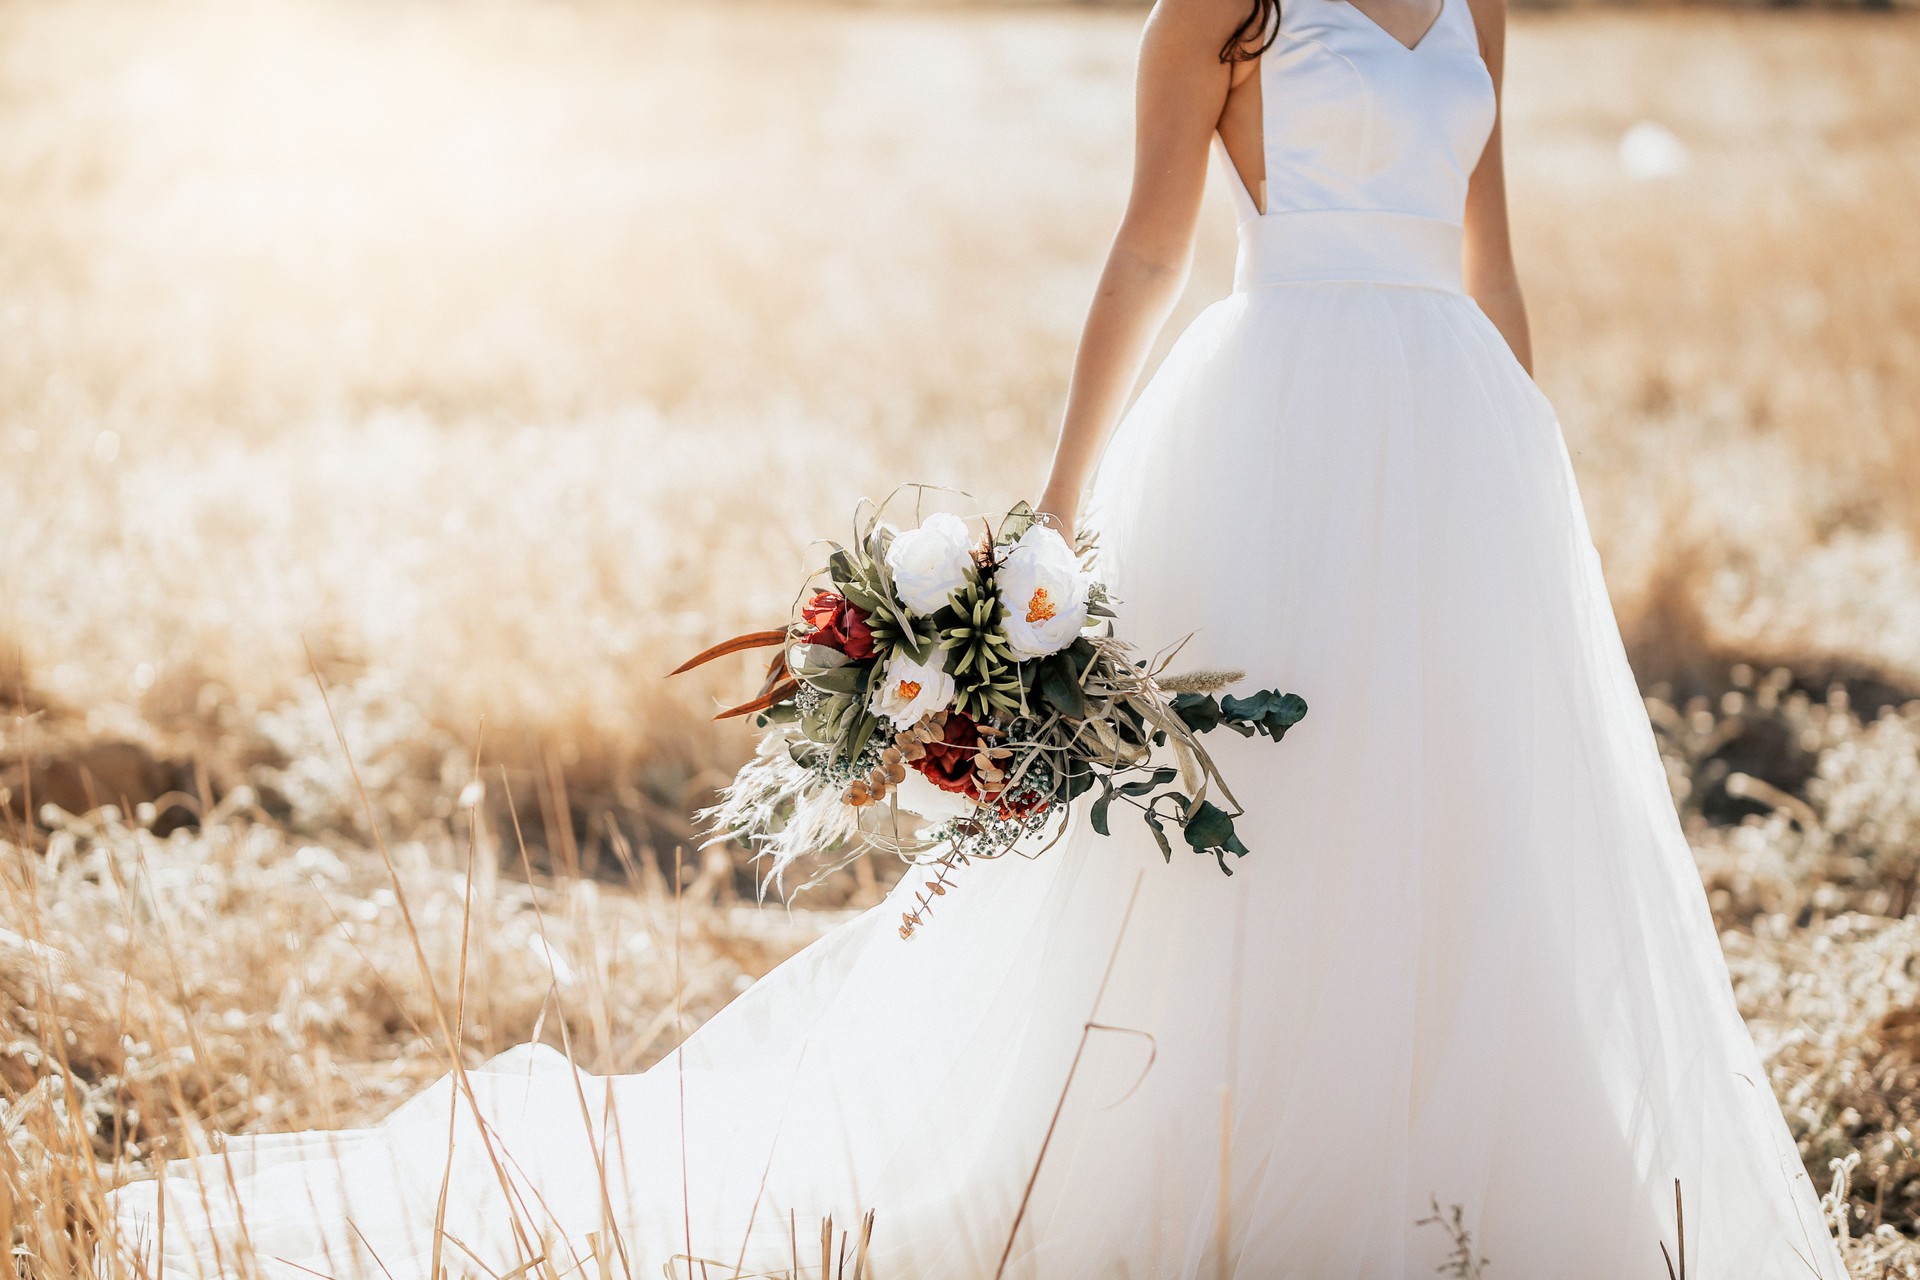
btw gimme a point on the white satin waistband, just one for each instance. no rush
(1365, 245)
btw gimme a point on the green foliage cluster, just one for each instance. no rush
(1268, 713)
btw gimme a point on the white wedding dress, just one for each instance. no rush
(1467, 961)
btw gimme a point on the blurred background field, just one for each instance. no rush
(501, 355)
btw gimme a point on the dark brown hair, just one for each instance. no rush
(1255, 32)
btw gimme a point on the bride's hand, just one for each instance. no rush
(1059, 511)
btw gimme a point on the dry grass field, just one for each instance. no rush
(499, 355)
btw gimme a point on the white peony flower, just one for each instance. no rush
(930, 563)
(1044, 592)
(910, 690)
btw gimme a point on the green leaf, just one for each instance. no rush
(862, 731)
(1060, 686)
(817, 723)
(1078, 781)
(1210, 830)
(1098, 814)
(843, 568)
(1209, 826)
(1268, 712)
(1154, 822)
(1159, 778)
(1017, 522)
(809, 660)
(847, 679)
(920, 648)
(1199, 711)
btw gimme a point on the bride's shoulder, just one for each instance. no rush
(1197, 16)
(1206, 25)
(1490, 20)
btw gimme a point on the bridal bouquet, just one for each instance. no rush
(951, 688)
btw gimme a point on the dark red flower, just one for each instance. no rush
(838, 624)
(949, 759)
(1021, 800)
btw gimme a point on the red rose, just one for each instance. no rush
(838, 624)
(949, 761)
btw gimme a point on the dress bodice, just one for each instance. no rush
(1368, 147)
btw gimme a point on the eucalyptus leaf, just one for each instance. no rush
(1156, 825)
(1097, 815)
(1267, 712)
(1210, 830)
(1200, 712)
(1159, 778)
(1211, 827)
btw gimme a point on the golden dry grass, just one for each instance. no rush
(504, 354)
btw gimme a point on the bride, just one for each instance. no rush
(1466, 986)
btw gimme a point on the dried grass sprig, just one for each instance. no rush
(1201, 681)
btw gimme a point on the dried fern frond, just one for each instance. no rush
(777, 808)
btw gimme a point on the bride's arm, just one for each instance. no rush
(1180, 92)
(1491, 278)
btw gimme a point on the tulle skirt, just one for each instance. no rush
(1467, 966)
